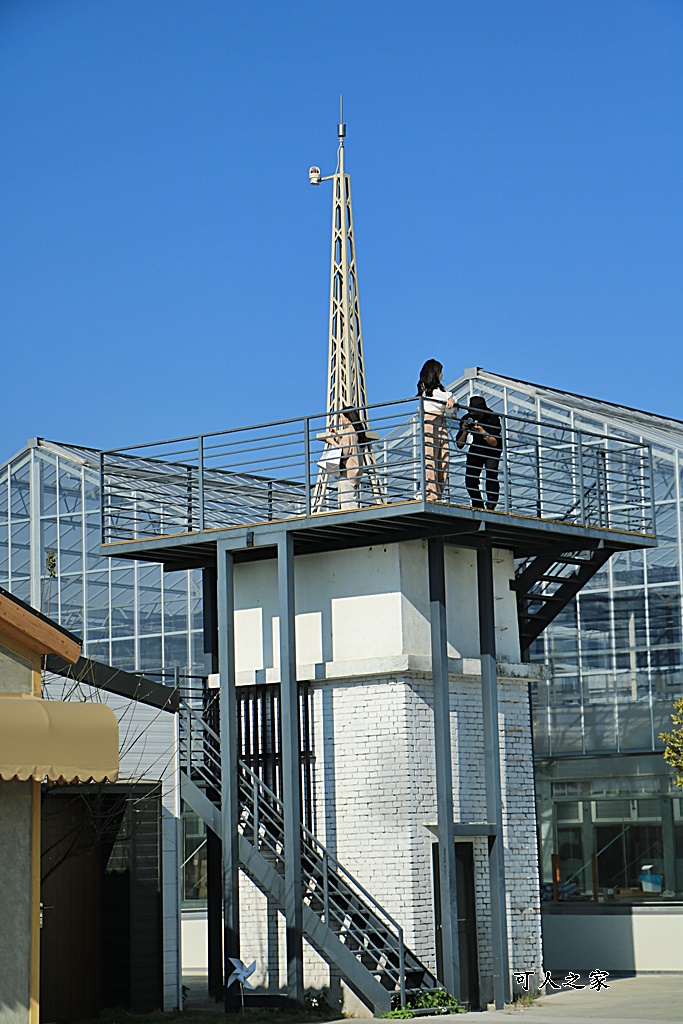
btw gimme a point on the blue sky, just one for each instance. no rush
(164, 263)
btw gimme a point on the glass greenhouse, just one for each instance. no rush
(615, 653)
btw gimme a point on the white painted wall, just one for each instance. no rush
(646, 939)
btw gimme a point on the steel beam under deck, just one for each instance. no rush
(494, 807)
(229, 776)
(380, 524)
(214, 853)
(444, 768)
(291, 788)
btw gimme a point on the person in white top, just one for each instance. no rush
(437, 405)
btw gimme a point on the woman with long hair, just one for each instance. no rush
(350, 437)
(437, 404)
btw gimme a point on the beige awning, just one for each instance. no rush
(59, 740)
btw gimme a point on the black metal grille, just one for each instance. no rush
(259, 737)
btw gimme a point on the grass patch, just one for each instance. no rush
(525, 998)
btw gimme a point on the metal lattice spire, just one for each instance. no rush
(345, 362)
(345, 365)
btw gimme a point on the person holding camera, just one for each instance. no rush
(485, 450)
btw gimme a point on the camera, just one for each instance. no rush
(314, 176)
(468, 422)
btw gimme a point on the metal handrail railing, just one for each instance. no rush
(256, 474)
(329, 885)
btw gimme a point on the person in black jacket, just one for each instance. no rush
(484, 451)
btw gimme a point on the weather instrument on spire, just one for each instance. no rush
(345, 363)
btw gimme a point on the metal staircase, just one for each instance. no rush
(545, 584)
(342, 921)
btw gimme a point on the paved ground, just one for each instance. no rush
(647, 999)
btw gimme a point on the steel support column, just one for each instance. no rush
(229, 757)
(214, 853)
(291, 785)
(494, 807)
(444, 770)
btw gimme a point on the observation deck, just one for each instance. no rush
(561, 489)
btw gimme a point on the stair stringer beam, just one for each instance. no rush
(272, 884)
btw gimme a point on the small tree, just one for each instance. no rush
(673, 741)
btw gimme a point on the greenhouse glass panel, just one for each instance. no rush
(48, 544)
(664, 474)
(48, 485)
(175, 601)
(70, 544)
(196, 602)
(600, 728)
(635, 726)
(175, 652)
(149, 600)
(4, 555)
(91, 490)
(149, 654)
(71, 604)
(197, 652)
(4, 499)
(123, 654)
(21, 549)
(627, 569)
(70, 500)
(20, 491)
(122, 602)
(97, 584)
(21, 588)
(94, 559)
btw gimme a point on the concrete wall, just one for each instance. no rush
(15, 901)
(584, 938)
(17, 675)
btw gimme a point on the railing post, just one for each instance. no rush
(200, 479)
(506, 470)
(255, 812)
(307, 456)
(539, 500)
(582, 486)
(423, 451)
(651, 466)
(402, 966)
(326, 888)
(103, 539)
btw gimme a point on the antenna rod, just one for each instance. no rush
(341, 127)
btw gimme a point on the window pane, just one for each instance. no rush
(97, 584)
(69, 488)
(150, 654)
(21, 588)
(175, 652)
(48, 485)
(122, 602)
(149, 600)
(123, 654)
(21, 551)
(94, 559)
(175, 601)
(92, 492)
(71, 593)
(70, 544)
(4, 554)
(196, 606)
(19, 491)
(194, 858)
